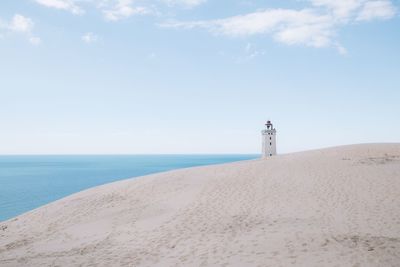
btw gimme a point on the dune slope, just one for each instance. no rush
(332, 207)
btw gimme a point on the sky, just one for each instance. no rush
(196, 76)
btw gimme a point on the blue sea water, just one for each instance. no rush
(28, 182)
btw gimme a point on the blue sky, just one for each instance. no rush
(196, 76)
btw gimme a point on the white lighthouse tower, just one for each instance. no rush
(269, 140)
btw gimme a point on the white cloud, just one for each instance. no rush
(285, 25)
(185, 3)
(376, 9)
(123, 9)
(342, 50)
(361, 9)
(21, 25)
(307, 33)
(341, 9)
(89, 38)
(114, 10)
(315, 25)
(68, 5)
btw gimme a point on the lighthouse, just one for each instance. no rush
(268, 140)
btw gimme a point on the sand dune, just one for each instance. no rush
(331, 207)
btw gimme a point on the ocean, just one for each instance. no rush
(28, 182)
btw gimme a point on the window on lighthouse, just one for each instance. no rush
(270, 143)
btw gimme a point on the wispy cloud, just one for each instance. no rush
(114, 10)
(89, 38)
(68, 5)
(120, 9)
(21, 25)
(251, 51)
(376, 9)
(315, 25)
(185, 3)
(286, 26)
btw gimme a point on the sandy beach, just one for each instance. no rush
(330, 207)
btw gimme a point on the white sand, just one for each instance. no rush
(332, 207)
